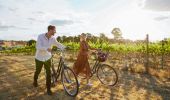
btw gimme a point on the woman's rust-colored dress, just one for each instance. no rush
(81, 66)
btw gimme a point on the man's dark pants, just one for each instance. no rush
(47, 65)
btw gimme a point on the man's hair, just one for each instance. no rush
(51, 27)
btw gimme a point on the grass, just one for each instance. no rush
(16, 76)
(161, 73)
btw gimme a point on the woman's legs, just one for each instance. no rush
(87, 77)
(88, 72)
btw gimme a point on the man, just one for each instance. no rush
(44, 45)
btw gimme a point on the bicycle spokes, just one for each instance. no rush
(70, 82)
(107, 75)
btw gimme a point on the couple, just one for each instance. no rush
(43, 57)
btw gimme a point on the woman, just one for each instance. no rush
(81, 66)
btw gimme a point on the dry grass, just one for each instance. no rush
(138, 68)
(16, 76)
(160, 73)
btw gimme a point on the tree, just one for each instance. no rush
(76, 38)
(117, 33)
(59, 39)
(31, 42)
(89, 36)
(63, 38)
(70, 39)
(103, 37)
(94, 39)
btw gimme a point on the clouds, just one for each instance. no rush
(38, 12)
(12, 9)
(4, 7)
(73, 17)
(157, 5)
(34, 16)
(4, 27)
(160, 9)
(1, 6)
(61, 22)
(161, 18)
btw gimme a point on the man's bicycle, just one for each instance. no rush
(105, 73)
(68, 78)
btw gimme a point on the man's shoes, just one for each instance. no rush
(49, 92)
(35, 84)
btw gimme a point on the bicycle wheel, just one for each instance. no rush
(107, 75)
(69, 81)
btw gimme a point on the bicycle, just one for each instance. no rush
(106, 74)
(68, 78)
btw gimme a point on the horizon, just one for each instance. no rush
(98, 37)
(26, 19)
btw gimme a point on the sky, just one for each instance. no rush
(26, 19)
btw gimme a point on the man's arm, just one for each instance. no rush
(59, 45)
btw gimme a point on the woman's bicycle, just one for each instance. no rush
(68, 78)
(105, 73)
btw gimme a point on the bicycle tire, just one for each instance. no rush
(107, 69)
(67, 76)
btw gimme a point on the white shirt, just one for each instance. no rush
(43, 43)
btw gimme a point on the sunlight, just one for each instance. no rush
(137, 23)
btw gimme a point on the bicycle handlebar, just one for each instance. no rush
(61, 51)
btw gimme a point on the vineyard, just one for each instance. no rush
(155, 48)
(142, 51)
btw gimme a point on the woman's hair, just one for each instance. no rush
(83, 34)
(82, 37)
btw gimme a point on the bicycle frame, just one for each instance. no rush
(60, 66)
(95, 66)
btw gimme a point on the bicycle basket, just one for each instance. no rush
(102, 56)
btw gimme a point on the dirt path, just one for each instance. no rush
(16, 74)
